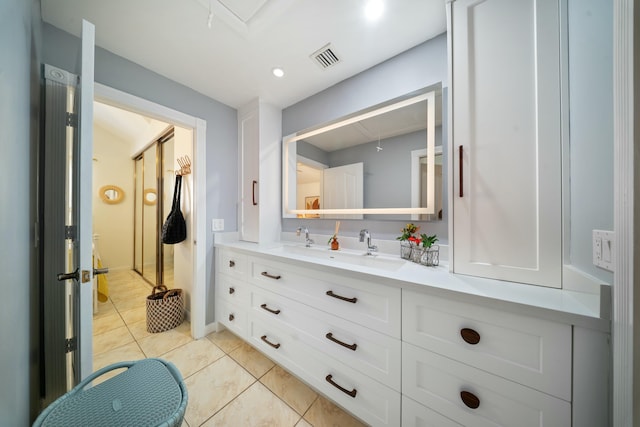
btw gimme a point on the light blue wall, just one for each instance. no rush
(422, 66)
(60, 49)
(19, 105)
(591, 127)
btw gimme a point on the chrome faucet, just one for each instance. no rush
(308, 241)
(370, 248)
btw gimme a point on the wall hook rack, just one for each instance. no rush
(185, 165)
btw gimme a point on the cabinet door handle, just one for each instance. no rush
(470, 399)
(351, 393)
(337, 341)
(264, 307)
(460, 157)
(231, 317)
(264, 338)
(232, 263)
(470, 336)
(351, 300)
(270, 276)
(253, 193)
(231, 291)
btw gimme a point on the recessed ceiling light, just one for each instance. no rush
(278, 72)
(373, 9)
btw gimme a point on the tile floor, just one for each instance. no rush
(229, 382)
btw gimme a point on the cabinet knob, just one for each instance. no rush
(231, 290)
(470, 336)
(232, 264)
(231, 317)
(470, 399)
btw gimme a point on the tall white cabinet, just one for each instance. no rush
(506, 141)
(260, 142)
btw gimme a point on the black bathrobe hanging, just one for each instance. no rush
(174, 229)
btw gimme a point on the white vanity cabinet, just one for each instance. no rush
(412, 355)
(260, 135)
(484, 367)
(505, 144)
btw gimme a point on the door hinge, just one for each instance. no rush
(70, 232)
(71, 120)
(70, 344)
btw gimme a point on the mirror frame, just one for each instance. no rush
(103, 194)
(289, 156)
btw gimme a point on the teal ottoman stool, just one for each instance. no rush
(150, 392)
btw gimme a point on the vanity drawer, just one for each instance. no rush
(231, 263)
(439, 383)
(232, 316)
(233, 290)
(527, 350)
(372, 353)
(373, 305)
(417, 415)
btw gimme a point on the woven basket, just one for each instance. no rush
(165, 309)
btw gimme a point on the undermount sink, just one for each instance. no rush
(346, 257)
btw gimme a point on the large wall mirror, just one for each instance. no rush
(384, 160)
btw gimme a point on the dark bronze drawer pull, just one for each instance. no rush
(349, 346)
(351, 393)
(470, 399)
(460, 160)
(270, 276)
(351, 300)
(231, 290)
(232, 263)
(470, 336)
(231, 317)
(264, 307)
(264, 338)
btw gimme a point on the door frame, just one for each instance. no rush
(120, 99)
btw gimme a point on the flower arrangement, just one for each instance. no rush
(333, 240)
(418, 248)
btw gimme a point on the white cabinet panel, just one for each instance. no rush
(373, 305)
(524, 349)
(372, 353)
(441, 384)
(417, 415)
(231, 263)
(232, 316)
(506, 140)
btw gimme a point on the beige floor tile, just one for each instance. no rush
(252, 360)
(105, 309)
(124, 353)
(129, 304)
(111, 339)
(256, 406)
(213, 387)
(323, 413)
(156, 345)
(290, 389)
(107, 323)
(134, 315)
(194, 356)
(226, 340)
(303, 423)
(139, 329)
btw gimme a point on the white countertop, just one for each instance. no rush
(576, 308)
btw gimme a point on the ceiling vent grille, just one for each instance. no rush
(325, 57)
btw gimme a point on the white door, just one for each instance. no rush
(65, 185)
(343, 188)
(506, 145)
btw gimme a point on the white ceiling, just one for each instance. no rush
(232, 61)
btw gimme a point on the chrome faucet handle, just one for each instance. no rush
(364, 233)
(309, 242)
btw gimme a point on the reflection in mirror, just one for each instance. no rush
(111, 194)
(381, 161)
(150, 196)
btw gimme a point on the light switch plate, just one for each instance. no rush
(217, 224)
(603, 253)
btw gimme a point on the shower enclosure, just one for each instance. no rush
(154, 180)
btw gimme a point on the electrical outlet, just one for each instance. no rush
(603, 254)
(217, 225)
